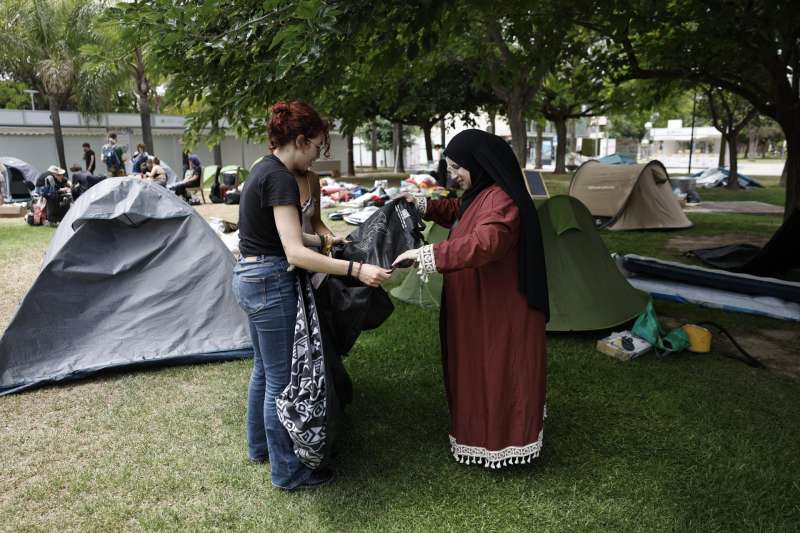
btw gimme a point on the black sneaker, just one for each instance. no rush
(320, 477)
(258, 460)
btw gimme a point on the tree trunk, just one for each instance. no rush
(399, 166)
(722, 144)
(55, 116)
(561, 145)
(373, 141)
(443, 128)
(143, 93)
(519, 134)
(537, 151)
(733, 178)
(792, 169)
(426, 130)
(492, 122)
(217, 147)
(571, 138)
(147, 130)
(351, 166)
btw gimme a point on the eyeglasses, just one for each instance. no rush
(453, 168)
(315, 145)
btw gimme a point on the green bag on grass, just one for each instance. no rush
(648, 328)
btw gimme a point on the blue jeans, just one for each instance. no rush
(267, 293)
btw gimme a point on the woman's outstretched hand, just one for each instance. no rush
(373, 275)
(406, 259)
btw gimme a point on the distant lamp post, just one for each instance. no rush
(32, 92)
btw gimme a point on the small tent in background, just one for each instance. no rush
(133, 276)
(628, 197)
(15, 176)
(208, 175)
(617, 159)
(587, 291)
(230, 175)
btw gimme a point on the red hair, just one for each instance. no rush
(290, 119)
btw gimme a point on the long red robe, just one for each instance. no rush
(493, 343)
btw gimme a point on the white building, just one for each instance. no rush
(671, 145)
(28, 135)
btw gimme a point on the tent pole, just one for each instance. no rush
(691, 139)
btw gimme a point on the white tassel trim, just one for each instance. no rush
(499, 458)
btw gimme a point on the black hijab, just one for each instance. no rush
(490, 160)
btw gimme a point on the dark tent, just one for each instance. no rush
(133, 276)
(19, 177)
(779, 257)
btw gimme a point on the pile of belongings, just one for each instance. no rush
(718, 177)
(357, 203)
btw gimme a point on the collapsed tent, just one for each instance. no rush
(720, 289)
(132, 276)
(778, 258)
(719, 176)
(628, 197)
(19, 177)
(587, 291)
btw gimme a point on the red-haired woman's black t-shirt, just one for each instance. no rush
(270, 184)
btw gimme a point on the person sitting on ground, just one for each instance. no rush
(58, 193)
(155, 172)
(81, 180)
(192, 178)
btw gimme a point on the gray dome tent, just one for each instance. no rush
(133, 276)
(16, 173)
(628, 197)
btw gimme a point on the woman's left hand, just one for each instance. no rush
(338, 239)
(406, 259)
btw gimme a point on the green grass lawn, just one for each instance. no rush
(683, 443)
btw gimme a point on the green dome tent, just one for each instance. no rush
(587, 291)
(414, 291)
(208, 175)
(209, 171)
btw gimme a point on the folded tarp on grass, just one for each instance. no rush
(133, 276)
(779, 257)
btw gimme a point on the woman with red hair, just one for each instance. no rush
(273, 246)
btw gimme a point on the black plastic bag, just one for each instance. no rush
(390, 231)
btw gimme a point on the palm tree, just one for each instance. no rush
(40, 44)
(120, 49)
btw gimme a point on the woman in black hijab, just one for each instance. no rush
(494, 303)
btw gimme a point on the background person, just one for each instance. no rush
(139, 159)
(57, 191)
(112, 156)
(271, 240)
(81, 180)
(155, 172)
(494, 303)
(89, 158)
(192, 178)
